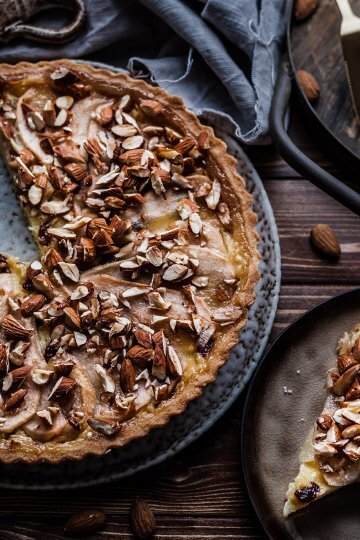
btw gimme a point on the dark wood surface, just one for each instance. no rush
(200, 493)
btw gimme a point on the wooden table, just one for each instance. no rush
(200, 493)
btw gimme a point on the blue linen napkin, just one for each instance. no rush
(220, 56)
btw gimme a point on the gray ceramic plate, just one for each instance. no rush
(217, 397)
(276, 423)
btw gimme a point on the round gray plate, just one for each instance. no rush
(201, 414)
(298, 359)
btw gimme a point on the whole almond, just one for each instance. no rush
(13, 329)
(140, 355)
(85, 523)
(325, 241)
(345, 361)
(143, 522)
(305, 8)
(15, 399)
(32, 304)
(309, 84)
(127, 376)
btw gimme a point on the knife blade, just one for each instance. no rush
(350, 40)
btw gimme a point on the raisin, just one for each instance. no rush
(308, 493)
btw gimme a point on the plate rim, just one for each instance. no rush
(249, 398)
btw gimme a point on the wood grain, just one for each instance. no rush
(200, 493)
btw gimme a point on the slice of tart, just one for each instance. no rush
(147, 264)
(330, 456)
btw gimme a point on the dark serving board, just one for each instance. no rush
(316, 47)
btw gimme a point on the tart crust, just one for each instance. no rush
(243, 221)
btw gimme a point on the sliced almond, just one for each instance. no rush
(175, 272)
(61, 118)
(64, 102)
(125, 130)
(35, 194)
(132, 143)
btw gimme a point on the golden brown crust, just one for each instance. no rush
(239, 201)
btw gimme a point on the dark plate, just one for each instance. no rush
(276, 423)
(316, 47)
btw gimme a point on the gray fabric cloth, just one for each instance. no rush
(220, 56)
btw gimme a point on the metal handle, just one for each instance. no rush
(48, 35)
(291, 153)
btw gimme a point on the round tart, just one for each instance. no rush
(147, 265)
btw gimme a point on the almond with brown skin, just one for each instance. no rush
(63, 366)
(76, 171)
(105, 115)
(15, 399)
(143, 522)
(143, 338)
(33, 269)
(324, 240)
(16, 377)
(351, 431)
(324, 422)
(343, 382)
(356, 349)
(140, 355)
(63, 386)
(185, 145)
(13, 329)
(354, 391)
(127, 376)
(32, 304)
(88, 250)
(151, 107)
(305, 8)
(309, 84)
(203, 140)
(72, 318)
(43, 285)
(85, 523)
(53, 258)
(159, 363)
(4, 359)
(345, 361)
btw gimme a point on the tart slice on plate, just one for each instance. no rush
(330, 456)
(147, 262)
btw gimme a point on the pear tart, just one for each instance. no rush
(147, 262)
(330, 456)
